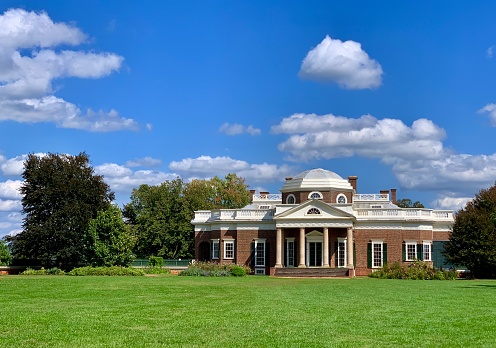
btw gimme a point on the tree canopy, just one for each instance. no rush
(407, 203)
(110, 241)
(473, 240)
(5, 257)
(161, 215)
(61, 194)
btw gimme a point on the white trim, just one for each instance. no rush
(381, 243)
(259, 241)
(342, 240)
(414, 244)
(424, 244)
(212, 250)
(226, 243)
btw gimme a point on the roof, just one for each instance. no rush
(316, 179)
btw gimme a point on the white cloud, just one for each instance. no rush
(15, 166)
(10, 205)
(491, 110)
(345, 63)
(144, 162)
(207, 167)
(489, 52)
(122, 179)
(10, 189)
(236, 129)
(329, 136)
(450, 203)
(26, 93)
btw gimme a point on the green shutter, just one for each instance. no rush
(354, 255)
(369, 255)
(267, 256)
(336, 245)
(384, 254)
(420, 251)
(403, 251)
(252, 255)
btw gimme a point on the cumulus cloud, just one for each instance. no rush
(450, 203)
(122, 179)
(144, 162)
(14, 166)
(236, 129)
(490, 109)
(10, 189)
(26, 93)
(10, 205)
(207, 167)
(415, 153)
(345, 63)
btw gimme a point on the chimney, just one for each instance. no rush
(353, 182)
(393, 195)
(264, 194)
(288, 178)
(252, 192)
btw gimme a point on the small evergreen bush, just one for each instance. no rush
(418, 270)
(155, 261)
(213, 269)
(238, 271)
(157, 270)
(106, 271)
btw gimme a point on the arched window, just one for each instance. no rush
(341, 199)
(315, 195)
(313, 211)
(291, 199)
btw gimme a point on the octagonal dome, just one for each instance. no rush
(316, 179)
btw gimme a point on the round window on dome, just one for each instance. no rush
(291, 199)
(315, 195)
(341, 199)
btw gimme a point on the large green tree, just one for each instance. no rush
(5, 257)
(61, 194)
(161, 215)
(110, 241)
(473, 240)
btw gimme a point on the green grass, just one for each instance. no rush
(171, 311)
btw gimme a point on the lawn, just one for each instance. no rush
(171, 311)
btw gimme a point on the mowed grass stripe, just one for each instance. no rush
(171, 311)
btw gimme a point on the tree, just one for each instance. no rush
(109, 241)
(407, 203)
(472, 242)
(5, 257)
(61, 194)
(161, 215)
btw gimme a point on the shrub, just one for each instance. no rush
(418, 270)
(30, 271)
(213, 269)
(156, 261)
(106, 271)
(157, 270)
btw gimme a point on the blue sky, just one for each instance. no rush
(400, 94)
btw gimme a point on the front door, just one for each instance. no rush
(290, 253)
(314, 254)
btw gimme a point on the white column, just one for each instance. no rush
(326, 247)
(302, 247)
(279, 248)
(349, 244)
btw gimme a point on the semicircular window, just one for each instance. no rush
(313, 211)
(291, 199)
(315, 195)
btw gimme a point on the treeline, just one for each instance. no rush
(70, 220)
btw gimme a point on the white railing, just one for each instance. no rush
(267, 197)
(234, 214)
(371, 197)
(405, 213)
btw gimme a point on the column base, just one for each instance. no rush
(278, 265)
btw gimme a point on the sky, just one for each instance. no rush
(399, 93)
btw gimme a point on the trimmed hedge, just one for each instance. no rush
(213, 269)
(106, 271)
(417, 270)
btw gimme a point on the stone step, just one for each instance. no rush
(311, 272)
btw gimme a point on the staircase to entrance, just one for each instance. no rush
(311, 272)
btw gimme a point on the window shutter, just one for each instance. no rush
(354, 255)
(296, 255)
(403, 252)
(420, 250)
(336, 254)
(384, 253)
(252, 255)
(267, 256)
(369, 255)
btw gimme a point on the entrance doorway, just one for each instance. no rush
(314, 254)
(204, 251)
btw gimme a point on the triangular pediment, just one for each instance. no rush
(314, 209)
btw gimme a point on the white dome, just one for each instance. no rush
(316, 179)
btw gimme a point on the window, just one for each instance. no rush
(315, 195)
(377, 255)
(426, 253)
(215, 249)
(264, 207)
(259, 253)
(411, 251)
(229, 249)
(342, 199)
(341, 252)
(291, 199)
(313, 211)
